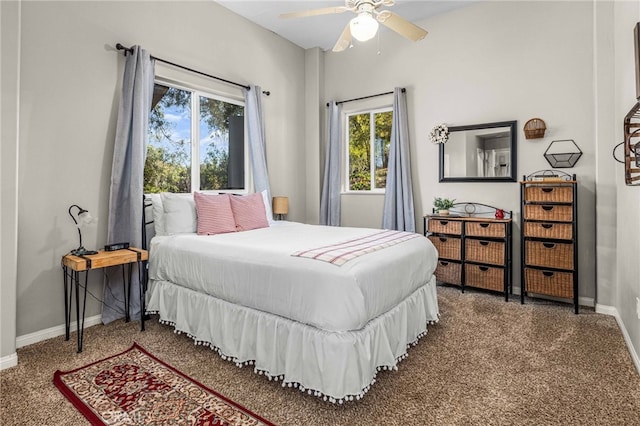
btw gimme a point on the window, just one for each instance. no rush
(368, 136)
(196, 142)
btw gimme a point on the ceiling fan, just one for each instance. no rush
(364, 26)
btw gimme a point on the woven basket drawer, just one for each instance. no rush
(487, 277)
(448, 247)
(484, 251)
(553, 194)
(485, 229)
(444, 226)
(552, 255)
(552, 283)
(553, 213)
(561, 231)
(449, 272)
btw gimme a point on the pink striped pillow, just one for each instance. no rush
(249, 212)
(214, 214)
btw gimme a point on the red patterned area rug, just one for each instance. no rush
(136, 388)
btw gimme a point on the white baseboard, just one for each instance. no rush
(610, 310)
(39, 336)
(9, 361)
(586, 301)
(607, 310)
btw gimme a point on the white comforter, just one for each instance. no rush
(256, 269)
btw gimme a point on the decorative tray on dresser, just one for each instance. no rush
(549, 230)
(474, 246)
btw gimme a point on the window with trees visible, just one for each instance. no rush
(196, 142)
(368, 136)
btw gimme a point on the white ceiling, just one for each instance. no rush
(323, 31)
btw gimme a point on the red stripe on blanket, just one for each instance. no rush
(342, 252)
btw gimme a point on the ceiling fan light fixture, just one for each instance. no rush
(364, 26)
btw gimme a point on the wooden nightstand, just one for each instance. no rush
(72, 266)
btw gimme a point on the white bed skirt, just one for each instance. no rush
(338, 366)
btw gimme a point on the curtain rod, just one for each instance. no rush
(119, 46)
(366, 97)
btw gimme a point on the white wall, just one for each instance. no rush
(626, 15)
(314, 107)
(492, 61)
(70, 83)
(606, 174)
(9, 87)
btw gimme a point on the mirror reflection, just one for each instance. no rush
(479, 152)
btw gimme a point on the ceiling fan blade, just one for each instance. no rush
(401, 26)
(344, 41)
(314, 12)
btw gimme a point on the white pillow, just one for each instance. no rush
(179, 213)
(158, 214)
(267, 207)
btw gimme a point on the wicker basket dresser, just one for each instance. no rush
(473, 251)
(548, 228)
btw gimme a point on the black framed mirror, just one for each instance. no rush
(480, 153)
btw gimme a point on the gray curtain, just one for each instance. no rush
(330, 201)
(127, 175)
(257, 144)
(398, 210)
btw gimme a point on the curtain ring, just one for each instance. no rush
(614, 152)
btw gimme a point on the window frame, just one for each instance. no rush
(346, 174)
(197, 91)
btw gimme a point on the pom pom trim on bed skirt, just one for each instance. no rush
(335, 366)
(296, 385)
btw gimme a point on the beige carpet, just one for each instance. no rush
(486, 362)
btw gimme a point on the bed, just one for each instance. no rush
(279, 298)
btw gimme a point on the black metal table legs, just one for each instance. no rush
(73, 265)
(72, 283)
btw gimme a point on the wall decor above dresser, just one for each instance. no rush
(474, 246)
(534, 128)
(563, 154)
(549, 235)
(484, 152)
(631, 145)
(631, 141)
